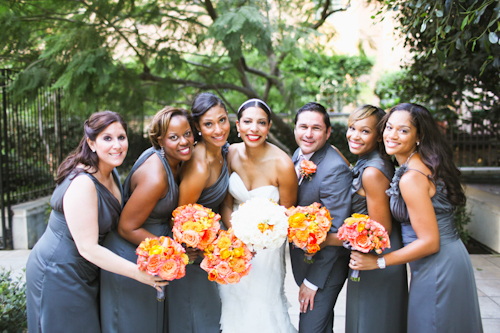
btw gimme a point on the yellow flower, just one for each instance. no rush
(223, 243)
(238, 252)
(224, 254)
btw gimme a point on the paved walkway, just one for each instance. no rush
(486, 270)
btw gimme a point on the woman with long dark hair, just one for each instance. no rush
(423, 195)
(204, 180)
(62, 273)
(151, 194)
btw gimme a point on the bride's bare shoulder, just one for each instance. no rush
(280, 156)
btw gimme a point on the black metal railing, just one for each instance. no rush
(35, 136)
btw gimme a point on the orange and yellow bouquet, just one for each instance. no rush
(308, 227)
(227, 260)
(163, 257)
(195, 225)
(364, 235)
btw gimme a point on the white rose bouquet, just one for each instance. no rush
(260, 224)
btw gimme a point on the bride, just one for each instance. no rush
(259, 169)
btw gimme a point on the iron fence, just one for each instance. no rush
(35, 135)
(475, 141)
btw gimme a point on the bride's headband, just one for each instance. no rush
(255, 100)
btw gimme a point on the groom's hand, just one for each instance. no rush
(306, 297)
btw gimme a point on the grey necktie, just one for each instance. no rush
(297, 166)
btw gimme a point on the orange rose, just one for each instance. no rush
(239, 265)
(154, 263)
(208, 237)
(233, 277)
(313, 248)
(223, 269)
(220, 280)
(169, 270)
(362, 243)
(191, 238)
(324, 223)
(307, 167)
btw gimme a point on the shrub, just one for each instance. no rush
(462, 218)
(12, 303)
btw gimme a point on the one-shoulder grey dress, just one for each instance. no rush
(128, 305)
(195, 304)
(62, 287)
(378, 302)
(443, 295)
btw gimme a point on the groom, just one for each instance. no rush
(321, 281)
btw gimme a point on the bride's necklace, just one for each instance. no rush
(411, 155)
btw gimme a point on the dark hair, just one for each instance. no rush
(201, 104)
(161, 120)
(315, 107)
(433, 149)
(364, 112)
(257, 103)
(92, 127)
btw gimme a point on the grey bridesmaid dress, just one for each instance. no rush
(126, 304)
(378, 302)
(62, 286)
(443, 295)
(194, 301)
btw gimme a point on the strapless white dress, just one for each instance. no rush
(257, 303)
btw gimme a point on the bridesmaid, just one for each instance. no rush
(62, 273)
(151, 194)
(204, 180)
(372, 173)
(423, 195)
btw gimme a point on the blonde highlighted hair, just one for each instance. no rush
(161, 120)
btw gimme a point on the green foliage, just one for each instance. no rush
(135, 57)
(12, 303)
(456, 58)
(335, 81)
(339, 140)
(462, 218)
(388, 89)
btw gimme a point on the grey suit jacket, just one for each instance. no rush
(331, 187)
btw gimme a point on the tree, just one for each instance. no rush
(456, 54)
(136, 55)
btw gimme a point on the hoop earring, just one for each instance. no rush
(162, 152)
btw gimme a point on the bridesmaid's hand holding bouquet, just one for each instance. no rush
(364, 235)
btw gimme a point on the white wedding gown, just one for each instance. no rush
(257, 303)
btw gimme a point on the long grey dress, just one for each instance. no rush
(443, 295)
(128, 305)
(197, 302)
(378, 302)
(63, 287)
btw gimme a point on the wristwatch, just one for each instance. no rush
(381, 262)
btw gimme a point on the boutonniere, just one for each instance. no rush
(307, 168)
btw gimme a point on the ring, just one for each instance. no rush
(154, 285)
(302, 301)
(353, 262)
